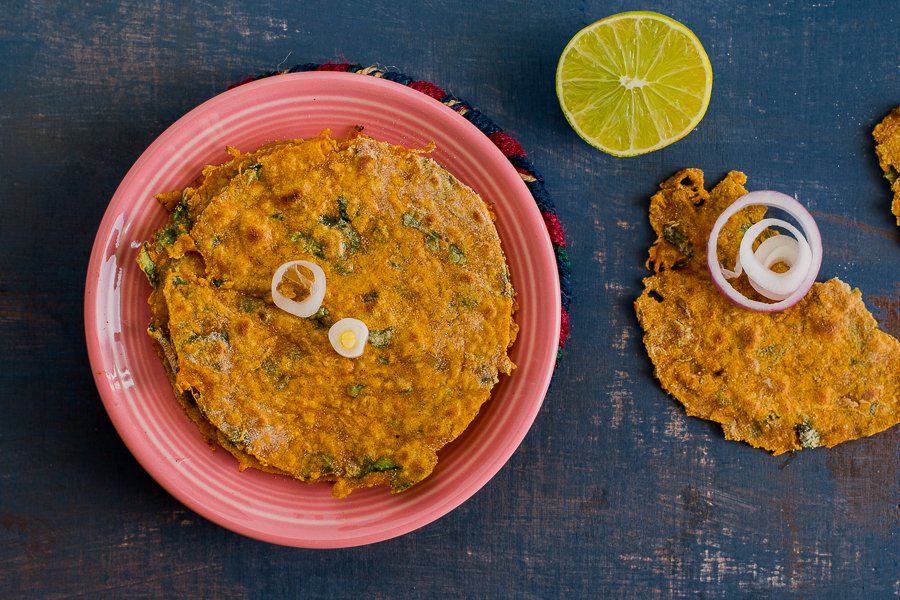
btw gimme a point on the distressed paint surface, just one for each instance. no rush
(615, 493)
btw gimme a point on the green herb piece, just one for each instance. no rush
(278, 216)
(343, 267)
(166, 236)
(212, 336)
(464, 302)
(353, 390)
(457, 256)
(381, 338)
(235, 435)
(151, 327)
(433, 241)
(674, 236)
(756, 429)
(809, 437)
(891, 174)
(216, 240)
(384, 464)
(342, 208)
(330, 221)
(217, 282)
(377, 466)
(354, 241)
(180, 214)
(370, 297)
(772, 351)
(256, 168)
(411, 220)
(342, 224)
(327, 463)
(487, 375)
(321, 318)
(352, 237)
(383, 360)
(506, 289)
(179, 223)
(179, 280)
(310, 244)
(276, 375)
(249, 304)
(378, 234)
(395, 264)
(148, 267)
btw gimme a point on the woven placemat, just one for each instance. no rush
(510, 148)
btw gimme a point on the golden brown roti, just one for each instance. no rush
(405, 247)
(817, 374)
(887, 138)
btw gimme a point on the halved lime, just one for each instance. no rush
(634, 82)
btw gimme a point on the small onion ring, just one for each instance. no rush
(809, 241)
(360, 333)
(772, 285)
(778, 248)
(309, 305)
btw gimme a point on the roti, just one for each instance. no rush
(817, 374)
(405, 247)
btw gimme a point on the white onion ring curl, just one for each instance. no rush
(802, 253)
(348, 337)
(309, 305)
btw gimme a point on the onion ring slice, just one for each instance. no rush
(309, 305)
(348, 337)
(803, 254)
(779, 248)
(757, 265)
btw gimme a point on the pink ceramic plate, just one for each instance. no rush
(134, 386)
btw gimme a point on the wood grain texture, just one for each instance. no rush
(615, 493)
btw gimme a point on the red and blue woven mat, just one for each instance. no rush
(510, 148)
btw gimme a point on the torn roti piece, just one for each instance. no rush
(817, 374)
(887, 138)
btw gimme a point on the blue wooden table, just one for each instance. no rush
(615, 492)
